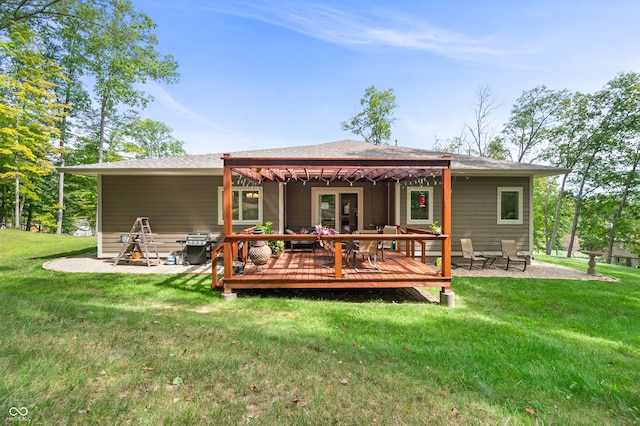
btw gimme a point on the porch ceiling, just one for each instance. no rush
(335, 169)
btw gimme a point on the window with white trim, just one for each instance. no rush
(246, 205)
(420, 206)
(509, 205)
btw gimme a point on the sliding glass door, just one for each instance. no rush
(337, 208)
(328, 210)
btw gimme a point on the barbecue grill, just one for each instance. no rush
(198, 243)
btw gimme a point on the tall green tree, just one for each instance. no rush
(122, 56)
(533, 122)
(65, 42)
(374, 122)
(607, 116)
(29, 114)
(151, 139)
(107, 49)
(621, 98)
(572, 143)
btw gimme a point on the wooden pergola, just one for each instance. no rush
(353, 171)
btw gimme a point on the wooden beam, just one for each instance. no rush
(227, 215)
(276, 175)
(446, 223)
(342, 283)
(319, 163)
(214, 266)
(337, 261)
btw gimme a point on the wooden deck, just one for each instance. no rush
(306, 269)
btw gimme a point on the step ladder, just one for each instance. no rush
(140, 239)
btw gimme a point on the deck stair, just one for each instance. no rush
(139, 240)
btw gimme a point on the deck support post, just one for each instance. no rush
(337, 253)
(446, 222)
(447, 298)
(227, 227)
(214, 268)
(229, 295)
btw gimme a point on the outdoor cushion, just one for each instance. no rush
(300, 245)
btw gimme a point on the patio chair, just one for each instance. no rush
(349, 249)
(510, 253)
(471, 255)
(388, 244)
(369, 248)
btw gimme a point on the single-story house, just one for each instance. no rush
(491, 199)
(345, 185)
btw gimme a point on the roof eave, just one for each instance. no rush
(217, 171)
(510, 172)
(132, 171)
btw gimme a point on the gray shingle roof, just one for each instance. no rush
(211, 164)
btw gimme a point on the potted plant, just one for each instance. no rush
(435, 228)
(277, 247)
(321, 230)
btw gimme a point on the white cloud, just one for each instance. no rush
(358, 27)
(164, 98)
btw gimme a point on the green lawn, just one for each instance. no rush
(151, 349)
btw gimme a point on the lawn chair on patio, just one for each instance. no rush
(510, 253)
(471, 255)
(369, 248)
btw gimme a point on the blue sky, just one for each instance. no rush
(275, 73)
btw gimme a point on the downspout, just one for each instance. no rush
(281, 207)
(397, 200)
(531, 216)
(99, 218)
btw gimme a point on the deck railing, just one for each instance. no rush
(409, 238)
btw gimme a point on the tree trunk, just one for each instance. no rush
(17, 189)
(27, 226)
(60, 201)
(618, 214)
(61, 182)
(554, 232)
(3, 207)
(574, 226)
(545, 210)
(576, 212)
(103, 120)
(23, 201)
(17, 179)
(63, 133)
